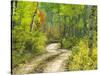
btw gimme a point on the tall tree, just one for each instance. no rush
(91, 28)
(13, 10)
(32, 23)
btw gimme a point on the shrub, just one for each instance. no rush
(79, 60)
(26, 44)
(69, 42)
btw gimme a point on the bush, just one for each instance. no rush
(79, 60)
(69, 42)
(26, 44)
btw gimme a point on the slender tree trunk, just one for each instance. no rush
(91, 24)
(32, 23)
(13, 10)
(85, 20)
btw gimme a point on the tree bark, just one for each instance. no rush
(13, 10)
(91, 24)
(85, 20)
(32, 23)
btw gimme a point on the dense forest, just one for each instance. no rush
(34, 25)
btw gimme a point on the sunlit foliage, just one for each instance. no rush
(80, 59)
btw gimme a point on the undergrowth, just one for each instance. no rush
(79, 60)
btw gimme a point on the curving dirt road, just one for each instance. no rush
(53, 61)
(57, 65)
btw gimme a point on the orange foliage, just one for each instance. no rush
(41, 15)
